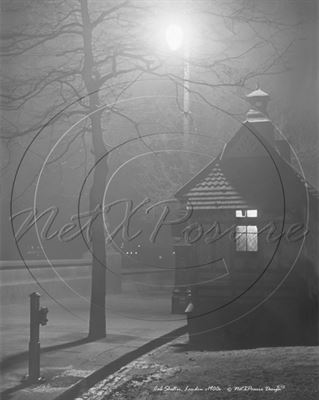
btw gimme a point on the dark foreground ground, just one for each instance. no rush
(175, 371)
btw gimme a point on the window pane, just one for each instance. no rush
(240, 213)
(241, 243)
(252, 229)
(241, 238)
(252, 242)
(241, 229)
(252, 213)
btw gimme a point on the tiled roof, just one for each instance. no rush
(249, 174)
(214, 191)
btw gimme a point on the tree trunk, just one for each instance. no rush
(97, 324)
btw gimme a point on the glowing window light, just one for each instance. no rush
(252, 213)
(246, 213)
(247, 238)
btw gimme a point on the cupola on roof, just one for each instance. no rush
(257, 93)
(258, 100)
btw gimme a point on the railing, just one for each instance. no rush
(20, 264)
(33, 264)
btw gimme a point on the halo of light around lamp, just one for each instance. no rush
(174, 36)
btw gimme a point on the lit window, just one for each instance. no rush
(246, 238)
(251, 213)
(246, 213)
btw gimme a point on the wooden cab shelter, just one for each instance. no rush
(245, 256)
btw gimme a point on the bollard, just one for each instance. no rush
(37, 316)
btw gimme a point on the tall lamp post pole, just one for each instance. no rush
(175, 37)
(186, 92)
(181, 299)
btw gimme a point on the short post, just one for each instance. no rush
(34, 344)
(37, 317)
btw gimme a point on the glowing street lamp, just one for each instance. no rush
(175, 37)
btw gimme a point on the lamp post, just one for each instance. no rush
(175, 37)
